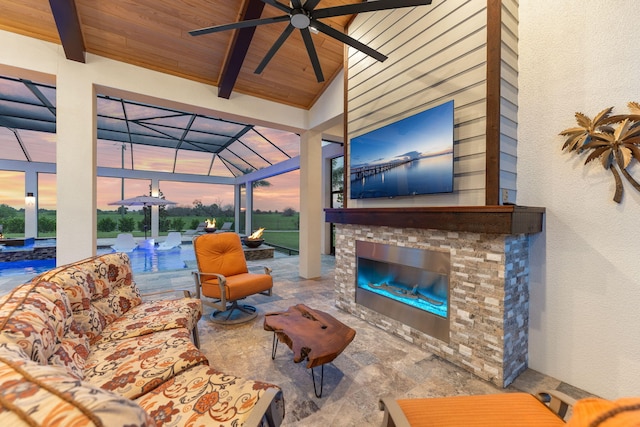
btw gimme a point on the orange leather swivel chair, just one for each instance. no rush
(492, 410)
(223, 277)
(545, 409)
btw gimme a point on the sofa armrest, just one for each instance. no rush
(269, 408)
(191, 395)
(393, 415)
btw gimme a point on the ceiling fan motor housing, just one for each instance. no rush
(300, 19)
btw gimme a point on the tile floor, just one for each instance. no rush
(375, 364)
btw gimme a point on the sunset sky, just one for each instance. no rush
(156, 139)
(281, 194)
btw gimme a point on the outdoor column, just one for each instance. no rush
(236, 207)
(76, 218)
(31, 203)
(248, 217)
(311, 213)
(155, 210)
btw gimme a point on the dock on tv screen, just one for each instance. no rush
(408, 157)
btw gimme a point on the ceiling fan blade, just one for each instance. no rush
(282, 7)
(311, 4)
(296, 4)
(241, 24)
(313, 56)
(348, 40)
(370, 6)
(285, 34)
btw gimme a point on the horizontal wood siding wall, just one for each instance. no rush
(436, 53)
(509, 97)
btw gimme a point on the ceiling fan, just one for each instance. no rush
(303, 15)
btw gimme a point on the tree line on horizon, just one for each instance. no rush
(171, 218)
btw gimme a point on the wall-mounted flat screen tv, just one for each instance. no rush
(408, 157)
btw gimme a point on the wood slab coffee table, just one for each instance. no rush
(311, 334)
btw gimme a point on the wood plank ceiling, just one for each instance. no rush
(154, 34)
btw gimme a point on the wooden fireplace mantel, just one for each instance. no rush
(509, 219)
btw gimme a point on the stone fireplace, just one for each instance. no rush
(488, 298)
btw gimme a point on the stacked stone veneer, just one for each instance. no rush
(9, 254)
(489, 296)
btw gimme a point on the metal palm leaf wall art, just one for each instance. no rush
(613, 139)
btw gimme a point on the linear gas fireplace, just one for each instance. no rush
(410, 285)
(487, 310)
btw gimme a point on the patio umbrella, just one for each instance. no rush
(143, 201)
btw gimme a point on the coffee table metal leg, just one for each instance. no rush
(274, 348)
(321, 381)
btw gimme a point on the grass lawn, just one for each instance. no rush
(288, 239)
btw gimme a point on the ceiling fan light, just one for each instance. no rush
(299, 19)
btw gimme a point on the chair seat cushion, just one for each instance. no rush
(496, 410)
(238, 286)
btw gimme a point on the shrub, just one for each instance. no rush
(126, 224)
(178, 224)
(142, 224)
(164, 224)
(46, 224)
(106, 225)
(14, 225)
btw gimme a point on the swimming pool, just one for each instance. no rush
(142, 261)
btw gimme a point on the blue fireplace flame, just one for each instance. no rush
(422, 289)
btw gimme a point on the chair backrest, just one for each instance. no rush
(220, 253)
(173, 238)
(226, 226)
(125, 240)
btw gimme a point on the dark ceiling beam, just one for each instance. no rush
(238, 51)
(68, 23)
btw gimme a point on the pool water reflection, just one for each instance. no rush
(142, 261)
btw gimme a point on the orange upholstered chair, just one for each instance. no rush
(511, 409)
(223, 277)
(494, 410)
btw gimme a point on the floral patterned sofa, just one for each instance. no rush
(78, 346)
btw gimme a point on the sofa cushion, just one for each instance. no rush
(134, 366)
(205, 396)
(153, 316)
(37, 317)
(33, 394)
(100, 290)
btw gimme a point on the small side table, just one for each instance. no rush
(311, 334)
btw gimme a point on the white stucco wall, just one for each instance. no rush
(580, 55)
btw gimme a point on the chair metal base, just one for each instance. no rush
(234, 314)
